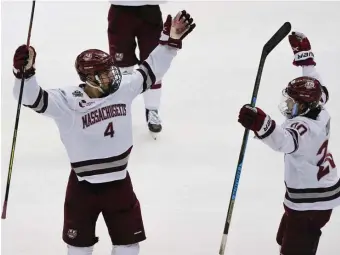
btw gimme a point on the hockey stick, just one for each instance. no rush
(14, 139)
(267, 48)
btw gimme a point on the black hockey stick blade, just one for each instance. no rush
(279, 35)
(277, 38)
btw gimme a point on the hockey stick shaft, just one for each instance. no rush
(16, 125)
(267, 48)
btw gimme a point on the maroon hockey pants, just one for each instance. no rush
(299, 231)
(115, 200)
(126, 24)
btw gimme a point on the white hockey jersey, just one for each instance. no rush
(136, 3)
(311, 178)
(97, 132)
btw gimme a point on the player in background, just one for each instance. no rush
(95, 126)
(129, 21)
(311, 178)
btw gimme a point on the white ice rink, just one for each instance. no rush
(184, 179)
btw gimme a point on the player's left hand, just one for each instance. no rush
(303, 55)
(175, 30)
(256, 120)
(181, 25)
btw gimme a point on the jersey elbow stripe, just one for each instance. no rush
(103, 165)
(313, 195)
(150, 72)
(150, 76)
(41, 103)
(145, 87)
(295, 136)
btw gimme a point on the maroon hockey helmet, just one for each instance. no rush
(302, 91)
(96, 68)
(305, 89)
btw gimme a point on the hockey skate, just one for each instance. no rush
(154, 122)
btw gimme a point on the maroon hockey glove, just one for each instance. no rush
(175, 30)
(303, 55)
(256, 120)
(24, 57)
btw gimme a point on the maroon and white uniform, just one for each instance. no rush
(97, 132)
(311, 178)
(97, 135)
(95, 126)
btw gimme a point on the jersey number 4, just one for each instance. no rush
(109, 130)
(325, 162)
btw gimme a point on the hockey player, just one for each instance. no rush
(311, 179)
(94, 122)
(129, 21)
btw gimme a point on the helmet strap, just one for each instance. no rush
(305, 112)
(295, 110)
(100, 88)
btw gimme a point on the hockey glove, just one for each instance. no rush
(303, 55)
(24, 58)
(256, 120)
(175, 30)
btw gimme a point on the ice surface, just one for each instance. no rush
(183, 179)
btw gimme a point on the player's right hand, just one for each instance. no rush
(256, 120)
(24, 57)
(303, 55)
(175, 30)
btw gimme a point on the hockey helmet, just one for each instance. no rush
(96, 68)
(300, 96)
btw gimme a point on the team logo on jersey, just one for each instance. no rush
(72, 233)
(83, 103)
(77, 93)
(119, 56)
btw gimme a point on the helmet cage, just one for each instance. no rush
(107, 81)
(288, 106)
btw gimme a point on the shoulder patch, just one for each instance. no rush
(77, 93)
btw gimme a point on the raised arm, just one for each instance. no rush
(280, 139)
(46, 102)
(157, 64)
(304, 57)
